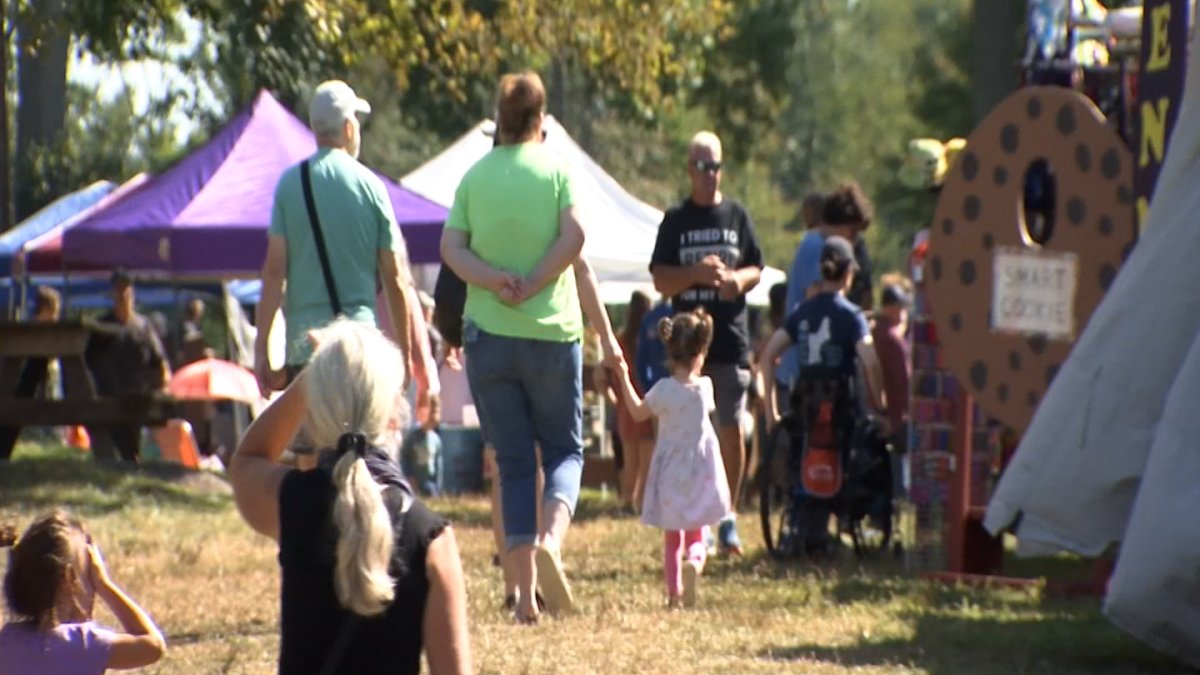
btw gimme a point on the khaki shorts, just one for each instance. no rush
(730, 384)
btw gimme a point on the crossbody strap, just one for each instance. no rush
(322, 253)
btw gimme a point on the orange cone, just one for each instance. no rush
(177, 443)
(77, 437)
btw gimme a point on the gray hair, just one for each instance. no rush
(354, 384)
(706, 139)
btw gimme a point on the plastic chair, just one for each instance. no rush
(177, 443)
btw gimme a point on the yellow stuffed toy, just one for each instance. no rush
(927, 161)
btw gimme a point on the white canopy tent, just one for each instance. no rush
(621, 228)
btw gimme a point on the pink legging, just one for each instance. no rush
(689, 543)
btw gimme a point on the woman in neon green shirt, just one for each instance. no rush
(514, 236)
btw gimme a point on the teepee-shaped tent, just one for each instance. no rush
(1111, 454)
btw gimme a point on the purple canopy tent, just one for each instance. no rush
(208, 214)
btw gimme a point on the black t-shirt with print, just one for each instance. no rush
(688, 234)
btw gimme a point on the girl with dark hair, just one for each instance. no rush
(848, 212)
(686, 488)
(55, 572)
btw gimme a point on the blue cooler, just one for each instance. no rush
(461, 460)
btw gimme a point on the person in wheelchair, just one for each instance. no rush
(839, 387)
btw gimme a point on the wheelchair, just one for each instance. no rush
(824, 416)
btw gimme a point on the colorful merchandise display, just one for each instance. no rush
(936, 395)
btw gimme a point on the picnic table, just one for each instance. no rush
(26, 345)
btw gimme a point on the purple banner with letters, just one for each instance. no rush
(1160, 92)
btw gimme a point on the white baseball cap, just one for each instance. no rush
(332, 104)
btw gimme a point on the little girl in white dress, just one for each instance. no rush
(686, 488)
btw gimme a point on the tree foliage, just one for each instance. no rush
(102, 140)
(866, 77)
(804, 94)
(745, 88)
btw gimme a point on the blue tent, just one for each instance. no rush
(47, 219)
(83, 293)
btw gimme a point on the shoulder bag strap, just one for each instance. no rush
(319, 238)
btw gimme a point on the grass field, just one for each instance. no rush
(174, 540)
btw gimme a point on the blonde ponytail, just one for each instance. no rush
(354, 381)
(364, 545)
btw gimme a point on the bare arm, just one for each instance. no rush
(605, 384)
(563, 253)
(164, 364)
(739, 282)
(634, 403)
(142, 643)
(274, 272)
(394, 276)
(588, 287)
(872, 372)
(671, 280)
(254, 472)
(456, 252)
(775, 347)
(447, 640)
(424, 367)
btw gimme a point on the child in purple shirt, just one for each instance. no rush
(54, 574)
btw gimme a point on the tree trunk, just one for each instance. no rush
(586, 116)
(6, 212)
(558, 90)
(42, 49)
(996, 36)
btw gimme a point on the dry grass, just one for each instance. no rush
(176, 543)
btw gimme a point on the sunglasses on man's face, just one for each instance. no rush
(707, 166)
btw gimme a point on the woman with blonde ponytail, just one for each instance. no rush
(369, 574)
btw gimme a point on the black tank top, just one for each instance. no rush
(311, 617)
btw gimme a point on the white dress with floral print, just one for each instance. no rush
(686, 488)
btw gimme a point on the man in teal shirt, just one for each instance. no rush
(361, 237)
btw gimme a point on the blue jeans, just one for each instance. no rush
(529, 393)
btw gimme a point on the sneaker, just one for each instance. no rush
(691, 576)
(728, 539)
(553, 582)
(710, 542)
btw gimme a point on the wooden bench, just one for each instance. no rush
(80, 404)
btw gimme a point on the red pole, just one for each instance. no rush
(960, 483)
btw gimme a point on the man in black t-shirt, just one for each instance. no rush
(707, 256)
(125, 358)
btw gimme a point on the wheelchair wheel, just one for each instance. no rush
(774, 488)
